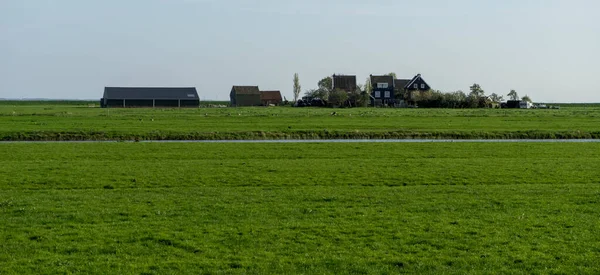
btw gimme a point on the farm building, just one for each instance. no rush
(344, 82)
(270, 97)
(387, 91)
(517, 104)
(124, 97)
(382, 90)
(245, 96)
(408, 87)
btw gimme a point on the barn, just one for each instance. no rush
(270, 98)
(149, 97)
(245, 96)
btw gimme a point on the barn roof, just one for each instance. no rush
(149, 93)
(382, 79)
(246, 90)
(270, 95)
(344, 82)
(401, 83)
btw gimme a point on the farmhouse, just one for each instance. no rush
(270, 97)
(149, 97)
(245, 96)
(387, 91)
(408, 87)
(383, 92)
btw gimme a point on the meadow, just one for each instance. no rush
(316, 208)
(81, 122)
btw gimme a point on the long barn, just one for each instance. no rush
(160, 97)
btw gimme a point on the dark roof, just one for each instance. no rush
(270, 95)
(382, 79)
(344, 82)
(415, 79)
(401, 83)
(149, 93)
(246, 90)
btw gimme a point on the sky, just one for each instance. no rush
(72, 49)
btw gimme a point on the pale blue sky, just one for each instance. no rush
(71, 49)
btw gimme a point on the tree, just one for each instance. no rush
(423, 95)
(326, 84)
(325, 87)
(496, 98)
(455, 99)
(363, 99)
(297, 87)
(354, 97)
(368, 86)
(472, 101)
(359, 97)
(338, 97)
(392, 74)
(321, 93)
(513, 95)
(526, 98)
(476, 90)
(310, 92)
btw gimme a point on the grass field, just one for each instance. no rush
(65, 122)
(352, 208)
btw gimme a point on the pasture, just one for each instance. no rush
(189, 208)
(80, 122)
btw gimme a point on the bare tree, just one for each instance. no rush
(297, 87)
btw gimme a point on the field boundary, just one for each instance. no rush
(294, 135)
(328, 141)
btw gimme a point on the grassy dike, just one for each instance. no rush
(66, 123)
(306, 135)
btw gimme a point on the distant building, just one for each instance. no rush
(344, 82)
(383, 92)
(270, 97)
(525, 105)
(149, 97)
(408, 87)
(512, 104)
(245, 96)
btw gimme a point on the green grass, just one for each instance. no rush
(42, 103)
(48, 122)
(351, 208)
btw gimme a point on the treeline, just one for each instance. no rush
(12, 102)
(458, 99)
(475, 99)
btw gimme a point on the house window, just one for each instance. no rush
(387, 94)
(422, 86)
(377, 94)
(416, 86)
(382, 85)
